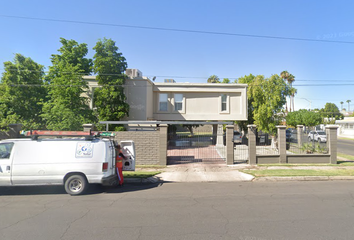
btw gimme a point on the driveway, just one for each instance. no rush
(203, 172)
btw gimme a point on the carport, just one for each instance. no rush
(205, 145)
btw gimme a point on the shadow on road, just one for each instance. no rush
(59, 190)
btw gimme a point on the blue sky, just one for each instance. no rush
(324, 72)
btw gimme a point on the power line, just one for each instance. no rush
(178, 30)
(166, 76)
(134, 86)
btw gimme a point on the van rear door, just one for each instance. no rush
(5, 163)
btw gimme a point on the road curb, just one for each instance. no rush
(305, 178)
(152, 179)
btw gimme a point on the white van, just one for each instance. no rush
(74, 163)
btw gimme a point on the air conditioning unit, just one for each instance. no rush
(133, 73)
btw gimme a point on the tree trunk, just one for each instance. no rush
(274, 143)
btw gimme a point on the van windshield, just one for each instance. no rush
(321, 133)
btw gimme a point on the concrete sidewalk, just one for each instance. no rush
(202, 172)
(197, 172)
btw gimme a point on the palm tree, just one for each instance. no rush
(284, 75)
(291, 79)
(293, 91)
(213, 79)
(348, 101)
(341, 105)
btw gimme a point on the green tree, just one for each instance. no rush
(269, 96)
(331, 111)
(266, 97)
(22, 93)
(303, 117)
(67, 107)
(213, 79)
(226, 80)
(109, 65)
(341, 105)
(247, 79)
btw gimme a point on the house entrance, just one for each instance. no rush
(196, 144)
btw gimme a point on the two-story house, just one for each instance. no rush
(172, 101)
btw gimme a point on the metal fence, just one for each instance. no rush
(185, 147)
(266, 144)
(296, 142)
(307, 141)
(241, 151)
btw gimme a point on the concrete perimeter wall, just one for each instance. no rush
(150, 146)
(283, 157)
(146, 145)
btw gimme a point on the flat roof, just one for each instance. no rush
(164, 122)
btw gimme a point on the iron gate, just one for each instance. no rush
(197, 147)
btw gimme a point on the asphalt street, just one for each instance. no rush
(226, 210)
(346, 146)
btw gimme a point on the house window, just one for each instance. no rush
(178, 97)
(163, 98)
(223, 102)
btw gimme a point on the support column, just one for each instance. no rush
(88, 127)
(332, 142)
(229, 145)
(300, 130)
(219, 138)
(252, 150)
(282, 143)
(163, 145)
(215, 133)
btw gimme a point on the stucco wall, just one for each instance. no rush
(140, 99)
(202, 102)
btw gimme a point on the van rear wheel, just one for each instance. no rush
(76, 185)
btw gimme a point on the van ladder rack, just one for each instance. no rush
(87, 134)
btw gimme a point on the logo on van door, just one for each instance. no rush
(84, 149)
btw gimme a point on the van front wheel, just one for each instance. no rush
(76, 185)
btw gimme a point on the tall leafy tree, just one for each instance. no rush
(247, 79)
(269, 96)
(266, 97)
(341, 105)
(304, 117)
(109, 65)
(67, 107)
(331, 111)
(213, 79)
(22, 93)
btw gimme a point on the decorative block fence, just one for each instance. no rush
(151, 146)
(280, 153)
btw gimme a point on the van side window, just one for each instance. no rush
(5, 150)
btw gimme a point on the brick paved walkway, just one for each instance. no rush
(208, 154)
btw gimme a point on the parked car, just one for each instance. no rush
(319, 136)
(237, 137)
(288, 135)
